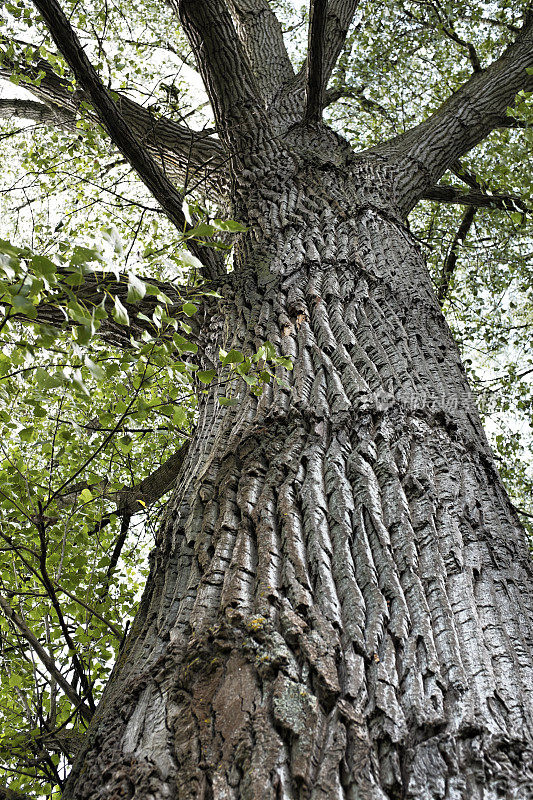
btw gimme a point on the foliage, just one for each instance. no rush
(82, 424)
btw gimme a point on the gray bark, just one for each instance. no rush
(260, 32)
(339, 603)
(340, 599)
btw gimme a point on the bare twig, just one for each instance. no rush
(450, 263)
(45, 659)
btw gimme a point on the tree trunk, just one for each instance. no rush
(339, 603)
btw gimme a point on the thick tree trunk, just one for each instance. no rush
(340, 601)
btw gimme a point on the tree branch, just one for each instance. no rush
(149, 490)
(45, 659)
(510, 122)
(445, 25)
(475, 199)
(109, 114)
(260, 33)
(472, 52)
(424, 153)
(315, 61)
(94, 289)
(367, 104)
(448, 268)
(228, 78)
(37, 112)
(339, 18)
(185, 155)
(292, 101)
(52, 594)
(145, 493)
(355, 93)
(154, 485)
(464, 175)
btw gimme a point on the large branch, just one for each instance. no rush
(330, 38)
(186, 156)
(260, 33)
(164, 191)
(45, 659)
(94, 289)
(228, 79)
(37, 112)
(132, 500)
(424, 153)
(339, 18)
(316, 76)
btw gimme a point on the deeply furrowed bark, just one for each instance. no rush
(340, 602)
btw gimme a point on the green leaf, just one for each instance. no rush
(120, 313)
(190, 309)
(23, 306)
(179, 417)
(84, 333)
(270, 350)
(78, 313)
(186, 208)
(244, 368)
(227, 401)
(203, 229)
(206, 376)
(187, 259)
(43, 266)
(9, 249)
(229, 225)
(95, 369)
(284, 362)
(233, 357)
(84, 255)
(86, 495)
(26, 434)
(45, 380)
(125, 444)
(136, 289)
(79, 383)
(183, 344)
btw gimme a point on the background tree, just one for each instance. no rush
(338, 602)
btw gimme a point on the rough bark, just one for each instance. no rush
(340, 602)
(260, 32)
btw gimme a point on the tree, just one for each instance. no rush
(339, 603)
